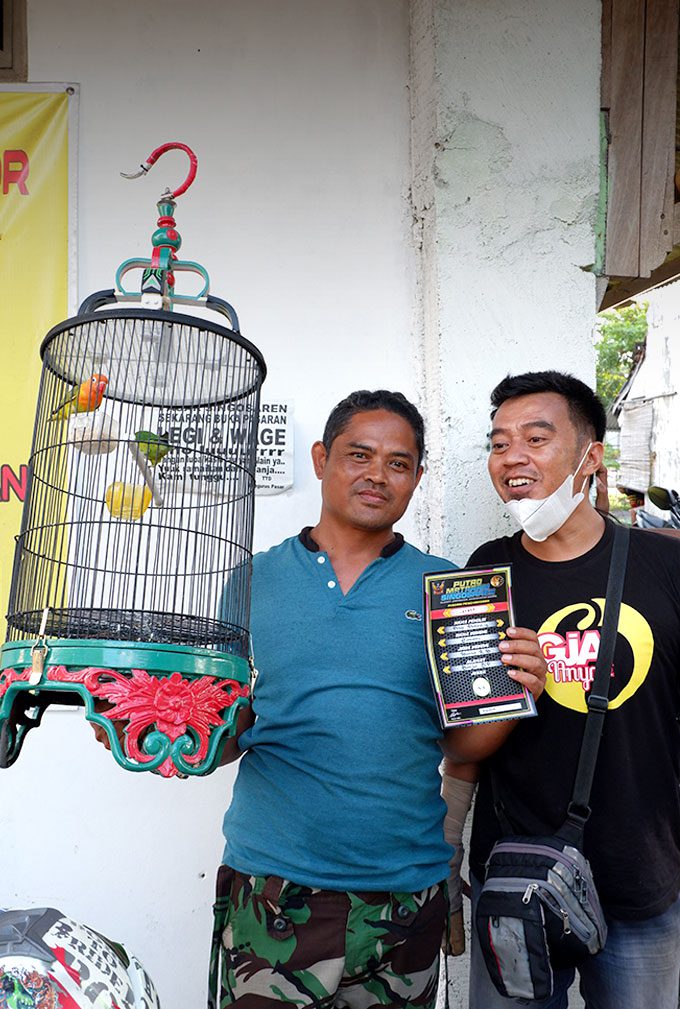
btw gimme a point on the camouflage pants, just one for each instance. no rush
(276, 942)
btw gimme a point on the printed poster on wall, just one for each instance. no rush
(216, 437)
(274, 467)
(38, 134)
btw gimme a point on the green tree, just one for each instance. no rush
(618, 332)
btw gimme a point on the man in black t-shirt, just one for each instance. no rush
(546, 444)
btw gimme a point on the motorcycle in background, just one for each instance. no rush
(666, 501)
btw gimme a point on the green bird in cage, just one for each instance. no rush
(154, 447)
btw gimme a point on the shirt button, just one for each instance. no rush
(280, 924)
(321, 559)
(331, 584)
(403, 911)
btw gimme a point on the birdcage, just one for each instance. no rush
(131, 578)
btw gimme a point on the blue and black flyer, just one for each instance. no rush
(468, 613)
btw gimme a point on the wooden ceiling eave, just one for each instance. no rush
(621, 290)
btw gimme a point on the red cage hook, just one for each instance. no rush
(153, 158)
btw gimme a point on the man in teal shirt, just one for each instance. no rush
(331, 892)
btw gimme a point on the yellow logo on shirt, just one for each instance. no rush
(571, 655)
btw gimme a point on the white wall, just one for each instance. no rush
(505, 185)
(299, 113)
(304, 216)
(659, 381)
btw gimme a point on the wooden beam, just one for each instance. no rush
(605, 80)
(657, 193)
(622, 257)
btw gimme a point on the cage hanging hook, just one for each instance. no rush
(158, 279)
(153, 158)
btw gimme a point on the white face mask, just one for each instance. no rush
(541, 517)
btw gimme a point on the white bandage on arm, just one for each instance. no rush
(458, 797)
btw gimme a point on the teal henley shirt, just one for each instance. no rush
(338, 787)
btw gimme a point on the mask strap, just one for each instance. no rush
(583, 459)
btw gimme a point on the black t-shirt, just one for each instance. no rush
(633, 836)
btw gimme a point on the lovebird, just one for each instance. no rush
(84, 398)
(154, 446)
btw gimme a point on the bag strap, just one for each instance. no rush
(578, 810)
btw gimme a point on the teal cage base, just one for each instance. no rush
(163, 708)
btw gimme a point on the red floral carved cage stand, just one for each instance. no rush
(131, 580)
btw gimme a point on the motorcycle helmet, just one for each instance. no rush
(48, 961)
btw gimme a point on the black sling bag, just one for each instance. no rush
(538, 908)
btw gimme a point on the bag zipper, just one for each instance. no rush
(548, 895)
(551, 903)
(556, 855)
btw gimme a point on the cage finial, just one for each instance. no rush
(158, 277)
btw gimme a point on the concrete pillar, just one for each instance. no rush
(504, 103)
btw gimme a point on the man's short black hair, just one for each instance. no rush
(586, 410)
(362, 401)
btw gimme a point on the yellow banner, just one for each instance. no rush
(34, 262)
